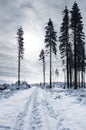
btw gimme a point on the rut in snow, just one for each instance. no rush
(20, 119)
(36, 117)
(49, 108)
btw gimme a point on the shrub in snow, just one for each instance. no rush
(4, 86)
(24, 85)
(12, 87)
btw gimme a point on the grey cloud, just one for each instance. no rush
(27, 4)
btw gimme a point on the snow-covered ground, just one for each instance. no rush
(41, 109)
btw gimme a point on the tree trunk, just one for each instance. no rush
(79, 78)
(50, 64)
(82, 79)
(67, 73)
(44, 72)
(64, 79)
(18, 68)
(67, 59)
(75, 68)
(70, 77)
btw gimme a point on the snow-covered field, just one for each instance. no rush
(41, 109)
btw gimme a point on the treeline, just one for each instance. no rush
(72, 47)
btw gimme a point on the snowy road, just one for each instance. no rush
(38, 109)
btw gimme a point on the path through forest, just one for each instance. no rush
(41, 109)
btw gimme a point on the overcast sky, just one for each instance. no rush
(32, 15)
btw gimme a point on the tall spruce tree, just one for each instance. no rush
(65, 47)
(20, 41)
(42, 57)
(78, 39)
(50, 40)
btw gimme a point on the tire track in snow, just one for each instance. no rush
(47, 110)
(37, 120)
(48, 106)
(50, 111)
(53, 114)
(20, 119)
(36, 117)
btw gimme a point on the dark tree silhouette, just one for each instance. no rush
(78, 39)
(71, 66)
(65, 46)
(50, 40)
(20, 50)
(42, 57)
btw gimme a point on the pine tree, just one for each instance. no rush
(50, 40)
(65, 47)
(78, 39)
(20, 50)
(42, 57)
